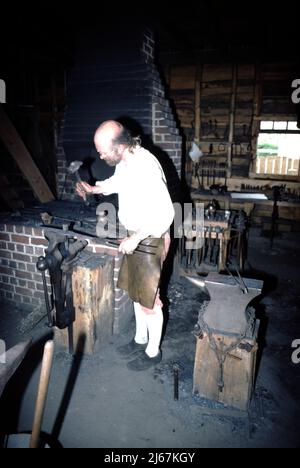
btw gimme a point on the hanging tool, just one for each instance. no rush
(275, 214)
(208, 173)
(42, 266)
(197, 174)
(208, 254)
(216, 249)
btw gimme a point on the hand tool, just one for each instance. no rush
(42, 394)
(73, 169)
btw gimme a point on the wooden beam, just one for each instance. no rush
(257, 105)
(198, 103)
(21, 155)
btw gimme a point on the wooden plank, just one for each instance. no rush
(21, 155)
(183, 78)
(217, 72)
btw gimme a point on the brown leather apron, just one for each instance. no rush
(140, 272)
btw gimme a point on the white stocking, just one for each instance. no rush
(155, 325)
(141, 334)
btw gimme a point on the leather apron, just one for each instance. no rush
(140, 272)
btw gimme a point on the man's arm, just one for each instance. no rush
(105, 187)
(129, 244)
(83, 188)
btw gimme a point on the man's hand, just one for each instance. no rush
(129, 244)
(83, 188)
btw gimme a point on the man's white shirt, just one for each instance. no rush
(144, 200)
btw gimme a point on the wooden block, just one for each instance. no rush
(93, 296)
(239, 371)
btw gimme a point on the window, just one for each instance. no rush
(278, 148)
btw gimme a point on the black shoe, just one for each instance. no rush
(144, 362)
(131, 348)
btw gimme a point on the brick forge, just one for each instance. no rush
(136, 90)
(21, 282)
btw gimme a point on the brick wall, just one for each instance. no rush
(21, 282)
(65, 181)
(165, 131)
(148, 46)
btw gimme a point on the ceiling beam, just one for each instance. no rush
(21, 155)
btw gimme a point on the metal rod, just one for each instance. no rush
(48, 307)
(71, 339)
(176, 382)
(136, 250)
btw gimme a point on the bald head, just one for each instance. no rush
(106, 142)
(108, 130)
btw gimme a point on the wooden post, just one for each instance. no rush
(232, 120)
(257, 103)
(19, 152)
(198, 103)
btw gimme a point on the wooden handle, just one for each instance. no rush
(42, 393)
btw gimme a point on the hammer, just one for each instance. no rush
(74, 169)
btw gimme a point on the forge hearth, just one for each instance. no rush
(22, 242)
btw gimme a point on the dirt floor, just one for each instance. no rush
(96, 401)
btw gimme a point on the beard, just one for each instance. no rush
(114, 160)
(111, 162)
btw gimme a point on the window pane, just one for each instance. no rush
(278, 154)
(280, 125)
(293, 126)
(266, 125)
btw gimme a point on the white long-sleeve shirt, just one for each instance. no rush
(144, 200)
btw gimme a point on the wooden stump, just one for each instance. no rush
(238, 375)
(93, 296)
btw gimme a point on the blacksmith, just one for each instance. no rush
(146, 211)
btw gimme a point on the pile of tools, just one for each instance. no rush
(210, 253)
(222, 234)
(286, 193)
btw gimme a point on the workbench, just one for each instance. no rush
(259, 212)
